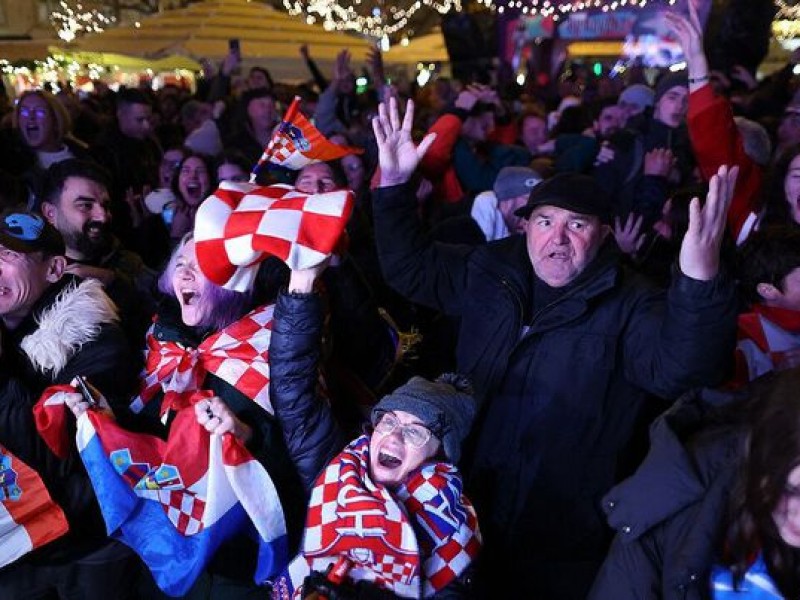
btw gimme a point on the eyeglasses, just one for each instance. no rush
(413, 434)
(26, 112)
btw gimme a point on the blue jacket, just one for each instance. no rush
(310, 432)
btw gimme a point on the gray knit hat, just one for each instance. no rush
(515, 181)
(445, 406)
(755, 140)
(638, 94)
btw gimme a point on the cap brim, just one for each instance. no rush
(15, 244)
(525, 211)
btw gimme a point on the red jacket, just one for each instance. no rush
(437, 164)
(716, 141)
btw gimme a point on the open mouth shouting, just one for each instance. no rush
(388, 462)
(193, 193)
(191, 303)
(34, 134)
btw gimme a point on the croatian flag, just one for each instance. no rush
(297, 143)
(28, 516)
(175, 502)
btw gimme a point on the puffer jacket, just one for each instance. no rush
(311, 435)
(670, 515)
(561, 385)
(72, 330)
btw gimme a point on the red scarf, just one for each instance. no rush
(412, 541)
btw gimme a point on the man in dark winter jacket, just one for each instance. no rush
(562, 346)
(54, 327)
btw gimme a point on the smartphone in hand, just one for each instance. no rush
(235, 47)
(85, 391)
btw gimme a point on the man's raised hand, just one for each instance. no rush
(699, 256)
(398, 156)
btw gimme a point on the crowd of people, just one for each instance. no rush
(530, 279)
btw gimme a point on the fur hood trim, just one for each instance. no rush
(73, 319)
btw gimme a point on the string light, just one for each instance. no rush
(378, 23)
(786, 11)
(71, 23)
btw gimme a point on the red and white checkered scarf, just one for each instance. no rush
(238, 354)
(412, 541)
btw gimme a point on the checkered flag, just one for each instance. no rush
(242, 223)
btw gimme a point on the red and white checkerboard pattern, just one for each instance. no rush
(184, 509)
(391, 570)
(281, 150)
(238, 354)
(349, 517)
(242, 223)
(446, 520)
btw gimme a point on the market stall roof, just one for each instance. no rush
(425, 48)
(203, 29)
(14, 50)
(125, 62)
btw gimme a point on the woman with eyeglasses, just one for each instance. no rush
(714, 510)
(387, 514)
(40, 137)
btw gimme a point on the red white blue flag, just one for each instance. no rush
(297, 143)
(175, 502)
(28, 516)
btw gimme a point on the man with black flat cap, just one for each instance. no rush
(562, 345)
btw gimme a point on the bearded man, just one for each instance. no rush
(76, 201)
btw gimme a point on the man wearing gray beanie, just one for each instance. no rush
(494, 210)
(635, 98)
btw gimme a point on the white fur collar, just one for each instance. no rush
(73, 319)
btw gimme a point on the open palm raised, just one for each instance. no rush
(398, 156)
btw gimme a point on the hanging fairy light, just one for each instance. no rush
(378, 23)
(74, 20)
(342, 14)
(786, 11)
(559, 10)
